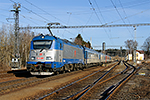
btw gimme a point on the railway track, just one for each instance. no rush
(13, 75)
(98, 85)
(75, 86)
(13, 85)
(5, 74)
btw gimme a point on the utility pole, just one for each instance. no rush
(134, 46)
(15, 60)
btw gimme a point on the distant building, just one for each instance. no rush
(139, 55)
(129, 57)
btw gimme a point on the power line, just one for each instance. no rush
(49, 14)
(100, 13)
(129, 16)
(44, 11)
(123, 10)
(94, 11)
(99, 19)
(29, 19)
(120, 15)
(125, 16)
(131, 4)
(33, 12)
(117, 11)
(36, 14)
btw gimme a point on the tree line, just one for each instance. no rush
(130, 45)
(25, 36)
(7, 46)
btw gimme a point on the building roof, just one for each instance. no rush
(140, 51)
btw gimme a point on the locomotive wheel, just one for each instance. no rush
(57, 72)
(75, 67)
(67, 68)
(71, 67)
(80, 66)
(63, 70)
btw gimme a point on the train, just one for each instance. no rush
(50, 54)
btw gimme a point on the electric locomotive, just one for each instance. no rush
(49, 55)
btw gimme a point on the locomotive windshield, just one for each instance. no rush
(42, 44)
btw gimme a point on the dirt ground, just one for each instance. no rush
(137, 88)
(31, 91)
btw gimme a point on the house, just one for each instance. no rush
(139, 55)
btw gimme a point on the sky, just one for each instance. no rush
(84, 12)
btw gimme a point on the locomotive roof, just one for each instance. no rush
(45, 37)
(48, 37)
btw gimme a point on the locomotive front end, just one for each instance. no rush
(41, 55)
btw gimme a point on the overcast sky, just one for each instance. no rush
(84, 12)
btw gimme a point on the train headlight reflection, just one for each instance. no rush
(32, 58)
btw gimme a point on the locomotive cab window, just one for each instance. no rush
(42, 44)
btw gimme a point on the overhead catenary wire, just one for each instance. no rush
(125, 16)
(87, 23)
(130, 4)
(51, 15)
(123, 10)
(93, 10)
(44, 11)
(101, 14)
(99, 20)
(29, 19)
(120, 16)
(33, 12)
(45, 19)
(102, 11)
(36, 14)
(129, 16)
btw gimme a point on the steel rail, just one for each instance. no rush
(56, 91)
(109, 92)
(81, 93)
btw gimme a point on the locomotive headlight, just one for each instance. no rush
(32, 58)
(48, 58)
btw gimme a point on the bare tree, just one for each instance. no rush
(130, 44)
(7, 46)
(146, 46)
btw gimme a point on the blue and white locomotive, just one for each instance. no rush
(49, 54)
